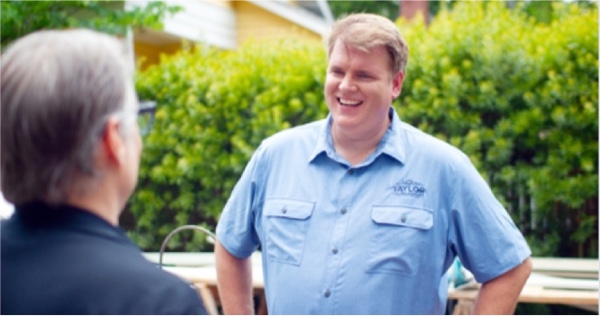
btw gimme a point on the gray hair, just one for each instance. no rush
(58, 89)
(365, 31)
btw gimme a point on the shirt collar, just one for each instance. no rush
(391, 144)
(40, 214)
(324, 142)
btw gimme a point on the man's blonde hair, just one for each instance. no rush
(365, 31)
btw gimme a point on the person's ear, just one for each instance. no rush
(397, 81)
(113, 142)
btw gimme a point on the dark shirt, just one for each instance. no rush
(65, 260)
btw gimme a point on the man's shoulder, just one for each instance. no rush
(101, 277)
(419, 141)
(156, 286)
(7, 226)
(124, 260)
(129, 272)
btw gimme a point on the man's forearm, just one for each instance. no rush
(500, 295)
(234, 280)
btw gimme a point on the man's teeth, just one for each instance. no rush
(349, 102)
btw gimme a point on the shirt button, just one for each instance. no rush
(351, 171)
(327, 293)
(284, 210)
(343, 211)
(403, 219)
(334, 251)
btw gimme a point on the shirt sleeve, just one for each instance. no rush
(236, 227)
(481, 231)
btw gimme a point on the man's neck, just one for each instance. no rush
(98, 202)
(111, 215)
(355, 149)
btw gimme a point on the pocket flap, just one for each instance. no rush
(288, 208)
(403, 216)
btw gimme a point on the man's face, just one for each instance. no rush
(359, 89)
(133, 143)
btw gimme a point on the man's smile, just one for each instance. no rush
(348, 102)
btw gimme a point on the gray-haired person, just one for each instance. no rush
(70, 152)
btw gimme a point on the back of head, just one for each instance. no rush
(365, 31)
(58, 89)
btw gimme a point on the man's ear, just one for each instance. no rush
(397, 82)
(112, 142)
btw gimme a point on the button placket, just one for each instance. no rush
(334, 264)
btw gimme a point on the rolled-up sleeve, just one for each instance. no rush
(482, 233)
(236, 229)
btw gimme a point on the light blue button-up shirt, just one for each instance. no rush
(375, 238)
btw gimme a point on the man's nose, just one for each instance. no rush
(347, 83)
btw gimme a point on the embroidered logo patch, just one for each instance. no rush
(409, 187)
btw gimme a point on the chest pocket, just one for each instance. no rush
(286, 222)
(398, 239)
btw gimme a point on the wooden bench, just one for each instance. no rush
(568, 281)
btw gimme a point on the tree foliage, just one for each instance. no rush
(520, 96)
(214, 108)
(20, 18)
(387, 8)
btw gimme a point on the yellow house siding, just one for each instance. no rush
(148, 54)
(220, 3)
(253, 22)
(224, 24)
(204, 21)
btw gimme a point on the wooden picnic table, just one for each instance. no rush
(567, 267)
(199, 269)
(566, 281)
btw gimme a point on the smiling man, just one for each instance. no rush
(373, 211)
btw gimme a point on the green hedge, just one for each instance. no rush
(214, 108)
(520, 97)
